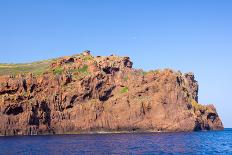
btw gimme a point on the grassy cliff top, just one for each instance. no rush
(34, 67)
(75, 61)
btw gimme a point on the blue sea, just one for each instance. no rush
(212, 142)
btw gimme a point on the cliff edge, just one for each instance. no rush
(83, 93)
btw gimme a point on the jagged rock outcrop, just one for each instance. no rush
(82, 93)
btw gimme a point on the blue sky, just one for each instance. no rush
(187, 35)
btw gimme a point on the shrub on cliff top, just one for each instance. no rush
(86, 58)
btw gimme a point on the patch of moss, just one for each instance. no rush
(196, 105)
(124, 90)
(125, 78)
(25, 94)
(87, 58)
(81, 72)
(58, 71)
(84, 69)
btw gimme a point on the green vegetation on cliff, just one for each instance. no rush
(34, 67)
(124, 90)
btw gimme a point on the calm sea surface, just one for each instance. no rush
(213, 142)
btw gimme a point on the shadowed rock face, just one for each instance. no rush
(83, 93)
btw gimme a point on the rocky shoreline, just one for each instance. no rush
(109, 132)
(86, 93)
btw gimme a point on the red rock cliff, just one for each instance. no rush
(83, 93)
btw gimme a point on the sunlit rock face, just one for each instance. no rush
(83, 93)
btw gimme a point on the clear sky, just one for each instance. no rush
(187, 35)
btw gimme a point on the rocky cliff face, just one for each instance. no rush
(83, 93)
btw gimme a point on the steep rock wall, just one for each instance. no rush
(83, 93)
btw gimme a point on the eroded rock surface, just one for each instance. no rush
(83, 93)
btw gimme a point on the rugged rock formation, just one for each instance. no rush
(82, 93)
